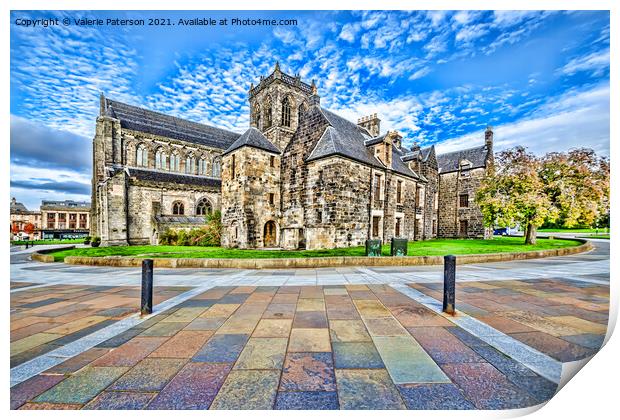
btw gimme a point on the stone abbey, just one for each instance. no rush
(300, 177)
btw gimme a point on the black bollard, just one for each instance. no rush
(146, 306)
(449, 283)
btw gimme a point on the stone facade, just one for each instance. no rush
(300, 177)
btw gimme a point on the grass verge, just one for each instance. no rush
(419, 248)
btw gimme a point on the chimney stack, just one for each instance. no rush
(371, 123)
(488, 137)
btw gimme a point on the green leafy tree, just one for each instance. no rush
(577, 183)
(514, 193)
(569, 188)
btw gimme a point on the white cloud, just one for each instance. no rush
(575, 119)
(349, 31)
(596, 63)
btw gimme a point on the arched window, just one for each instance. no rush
(286, 113)
(300, 110)
(204, 207)
(216, 167)
(175, 162)
(268, 116)
(202, 166)
(141, 156)
(190, 165)
(178, 208)
(161, 159)
(257, 116)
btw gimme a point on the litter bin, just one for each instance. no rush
(398, 247)
(373, 247)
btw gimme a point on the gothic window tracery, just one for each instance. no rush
(178, 209)
(286, 112)
(161, 159)
(203, 207)
(141, 156)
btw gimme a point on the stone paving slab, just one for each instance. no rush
(353, 347)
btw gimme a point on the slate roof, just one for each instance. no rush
(139, 119)
(253, 138)
(345, 138)
(174, 178)
(449, 162)
(18, 207)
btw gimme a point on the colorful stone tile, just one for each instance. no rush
(222, 348)
(310, 305)
(193, 388)
(131, 352)
(356, 356)
(83, 386)
(185, 314)
(348, 331)
(371, 309)
(31, 342)
(310, 319)
(505, 325)
(308, 372)
(164, 329)
(120, 401)
(555, 347)
(540, 323)
(307, 401)
(273, 328)
(367, 389)
(583, 325)
(220, 310)
(417, 316)
(407, 362)
(149, 375)
(205, 324)
(309, 340)
(248, 390)
(183, 345)
(50, 406)
(444, 347)
(384, 327)
(262, 353)
(27, 390)
(71, 327)
(591, 341)
(342, 311)
(434, 397)
(486, 387)
(78, 362)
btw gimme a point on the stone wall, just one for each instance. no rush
(246, 202)
(451, 186)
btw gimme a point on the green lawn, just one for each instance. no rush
(596, 237)
(585, 230)
(50, 242)
(431, 247)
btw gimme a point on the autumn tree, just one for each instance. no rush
(571, 187)
(514, 193)
(577, 183)
(29, 228)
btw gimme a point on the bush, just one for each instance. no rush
(210, 235)
(86, 240)
(95, 242)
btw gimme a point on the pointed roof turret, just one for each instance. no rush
(252, 138)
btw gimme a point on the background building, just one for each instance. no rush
(25, 224)
(65, 219)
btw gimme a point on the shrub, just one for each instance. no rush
(96, 241)
(210, 235)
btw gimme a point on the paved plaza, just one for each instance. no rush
(341, 338)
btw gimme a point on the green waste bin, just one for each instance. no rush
(373, 247)
(398, 247)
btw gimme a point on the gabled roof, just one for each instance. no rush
(345, 138)
(449, 162)
(143, 120)
(253, 138)
(173, 178)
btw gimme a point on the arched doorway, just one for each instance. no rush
(269, 234)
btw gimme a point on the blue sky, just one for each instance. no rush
(540, 78)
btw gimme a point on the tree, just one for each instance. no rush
(571, 187)
(29, 228)
(15, 228)
(577, 184)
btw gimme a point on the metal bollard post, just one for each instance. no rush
(449, 283)
(146, 305)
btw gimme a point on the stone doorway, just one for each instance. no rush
(269, 234)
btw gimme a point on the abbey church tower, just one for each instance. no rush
(276, 103)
